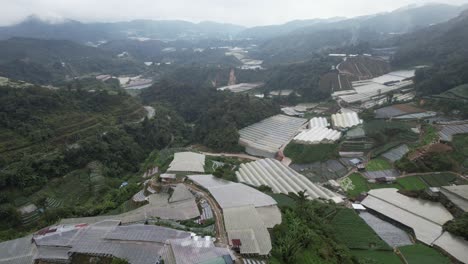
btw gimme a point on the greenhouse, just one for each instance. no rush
(317, 135)
(266, 137)
(282, 179)
(346, 120)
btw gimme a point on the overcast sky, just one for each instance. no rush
(243, 12)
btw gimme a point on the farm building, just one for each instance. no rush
(282, 179)
(291, 111)
(266, 137)
(449, 129)
(372, 92)
(318, 122)
(139, 244)
(424, 217)
(397, 153)
(456, 195)
(355, 133)
(322, 171)
(167, 177)
(281, 92)
(403, 111)
(317, 135)
(390, 233)
(241, 87)
(373, 175)
(181, 205)
(187, 162)
(346, 120)
(247, 217)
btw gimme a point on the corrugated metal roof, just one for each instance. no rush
(245, 223)
(188, 162)
(224, 191)
(457, 195)
(447, 131)
(201, 251)
(17, 251)
(180, 193)
(281, 179)
(381, 174)
(317, 135)
(396, 153)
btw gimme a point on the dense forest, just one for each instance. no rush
(216, 116)
(306, 235)
(57, 140)
(444, 48)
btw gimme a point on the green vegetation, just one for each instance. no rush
(376, 256)
(216, 116)
(430, 135)
(68, 152)
(305, 236)
(458, 226)
(419, 253)
(378, 165)
(360, 184)
(460, 154)
(412, 183)
(355, 233)
(283, 200)
(119, 261)
(303, 154)
(442, 179)
(388, 134)
(302, 78)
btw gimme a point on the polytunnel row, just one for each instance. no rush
(317, 135)
(280, 178)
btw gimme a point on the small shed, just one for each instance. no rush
(167, 177)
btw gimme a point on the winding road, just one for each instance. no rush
(221, 235)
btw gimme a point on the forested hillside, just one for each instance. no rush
(217, 116)
(45, 61)
(444, 48)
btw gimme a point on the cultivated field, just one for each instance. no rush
(355, 233)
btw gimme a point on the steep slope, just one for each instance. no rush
(45, 61)
(307, 40)
(33, 27)
(444, 48)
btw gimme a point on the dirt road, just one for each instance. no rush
(221, 235)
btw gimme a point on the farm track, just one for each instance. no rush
(221, 235)
(232, 155)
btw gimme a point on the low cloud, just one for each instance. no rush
(243, 12)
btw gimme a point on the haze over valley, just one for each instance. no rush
(285, 132)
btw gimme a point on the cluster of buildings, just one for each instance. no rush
(269, 136)
(247, 214)
(423, 217)
(136, 243)
(282, 179)
(369, 93)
